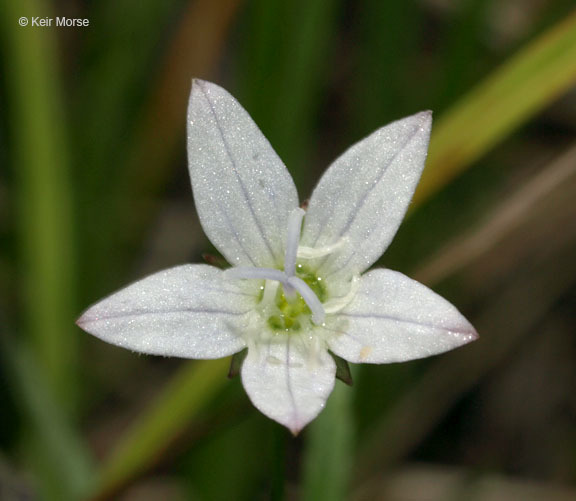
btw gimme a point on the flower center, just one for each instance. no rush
(302, 292)
(290, 314)
(294, 298)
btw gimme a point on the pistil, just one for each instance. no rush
(292, 241)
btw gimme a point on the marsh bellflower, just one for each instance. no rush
(297, 290)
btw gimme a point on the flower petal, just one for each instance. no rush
(189, 311)
(363, 196)
(393, 319)
(243, 192)
(287, 382)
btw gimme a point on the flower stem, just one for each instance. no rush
(277, 492)
(329, 452)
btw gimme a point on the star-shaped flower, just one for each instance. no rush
(296, 289)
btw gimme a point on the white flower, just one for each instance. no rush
(295, 289)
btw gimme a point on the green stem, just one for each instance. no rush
(328, 455)
(279, 467)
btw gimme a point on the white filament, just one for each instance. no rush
(339, 303)
(270, 289)
(313, 253)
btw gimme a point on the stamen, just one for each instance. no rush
(312, 253)
(310, 298)
(339, 303)
(249, 272)
(270, 289)
(292, 241)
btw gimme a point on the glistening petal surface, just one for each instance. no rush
(287, 383)
(363, 196)
(242, 190)
(189, 311)
(393, 319)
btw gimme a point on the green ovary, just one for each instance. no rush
(292, 315)
(313, 281)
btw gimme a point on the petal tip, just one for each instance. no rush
(81, 321)
(425, 118)
(467, 334)
(298, 424)
(84, 320)
(197, 82)
(295, 430)
(473, 335)
(201, 88)
(294, 424)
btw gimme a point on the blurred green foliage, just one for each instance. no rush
(93, 184)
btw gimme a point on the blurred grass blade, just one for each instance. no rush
(523, 86)
(464, 49)
(57, 449)
(284, 61)
(42, 193)
(115, 76)
(311, 33)
(186, 395)
(329, 451)
(116, 80)
(388, 34)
